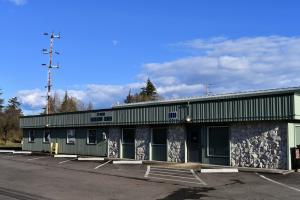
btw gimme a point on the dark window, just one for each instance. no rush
(108, 118)
(128, 136)
(31, 136)
(91, 136)
(218, 141)
(172, 115)
(159, 136)
(96, 119)
(70, 136)
(47, 136)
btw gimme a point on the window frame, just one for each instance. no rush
(152, 130)
(68, 139)
(88, 138)
(44, 138)
(134, 130)
(31, 134)
(207, 142)
(172, 113)
(295, 135)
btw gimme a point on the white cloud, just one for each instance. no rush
(32, 98)
(238, 64)
(180, 90)
(18, 2)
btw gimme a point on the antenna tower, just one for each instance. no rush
(207, 87)
(50, 66)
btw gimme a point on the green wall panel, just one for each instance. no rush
(59, 135)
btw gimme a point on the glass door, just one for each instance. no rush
(128, 143)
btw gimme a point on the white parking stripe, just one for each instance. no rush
(102, 164)
(128, 162)
(158, 174)
(177, 180)
(172, 173)
(224, 170)
(36, 158)
(176, 175)
(282, 184)
(197, 177)
(168, 169)
(91, 159)
(65, 156)
(7, 151)
(67, 160)
(147, 171)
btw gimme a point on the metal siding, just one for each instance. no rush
(59, 135)
(225, 110)
(38, 144)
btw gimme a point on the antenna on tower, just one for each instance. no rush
(207, 89)
(50, 66)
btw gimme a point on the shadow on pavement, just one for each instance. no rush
(189, 193)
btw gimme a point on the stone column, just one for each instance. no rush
(142, 141)
(260, 145)
(176, 143)
(113, 142)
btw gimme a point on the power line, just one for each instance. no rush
(50, 66)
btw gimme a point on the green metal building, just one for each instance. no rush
(249, 129)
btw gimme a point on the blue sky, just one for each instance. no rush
(109, 47)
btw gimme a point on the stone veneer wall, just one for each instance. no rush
(260, 145)
(113, 140)
(176, 143)
(142, 139)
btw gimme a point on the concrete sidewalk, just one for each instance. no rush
(198, 166)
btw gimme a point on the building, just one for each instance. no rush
(249, 129)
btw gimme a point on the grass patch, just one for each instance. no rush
(11, 146)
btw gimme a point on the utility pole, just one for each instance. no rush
(50, 66)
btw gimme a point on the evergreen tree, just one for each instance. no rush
(130, 98)
(90, 106)
(147, 93)
(11, 117)
(149, 90)
(69, 104)
(13, 106)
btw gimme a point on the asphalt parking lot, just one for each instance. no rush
(32, 177)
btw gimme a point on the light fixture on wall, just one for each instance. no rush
(188, 118)
(104, 136)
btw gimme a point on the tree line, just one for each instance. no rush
(67, 104)
(9, 120)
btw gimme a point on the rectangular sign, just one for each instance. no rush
(101, 117)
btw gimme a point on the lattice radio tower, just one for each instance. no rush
(50, 66)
